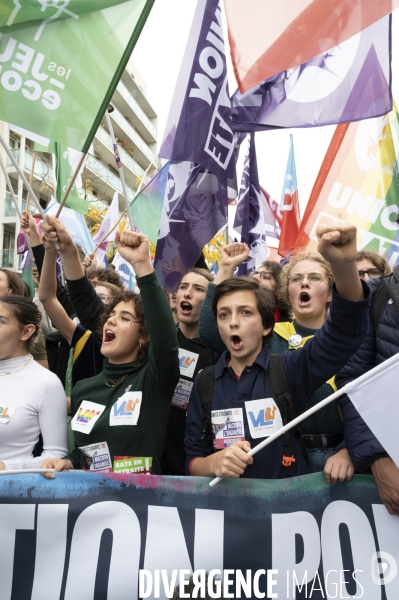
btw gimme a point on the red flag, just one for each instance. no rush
(289, 207)
(265, 40)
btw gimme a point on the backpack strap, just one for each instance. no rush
(279, 388)
(206, 386)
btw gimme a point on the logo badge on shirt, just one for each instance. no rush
(187, 362)
(6, 413)
(126, 410)
(87, 416)
(264, 417)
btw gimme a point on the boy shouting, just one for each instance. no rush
(243, 410)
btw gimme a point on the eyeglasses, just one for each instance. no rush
(376, 272)
(262, 274)
(104, 298)
(313, 278)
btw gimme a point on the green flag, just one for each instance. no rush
(64, 170)
(60, 63)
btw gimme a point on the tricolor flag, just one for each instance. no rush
(254, 220)
(265, 41)
(61, 62)
(199, 142)
(289, 207)
(347, 83)
(359, 182)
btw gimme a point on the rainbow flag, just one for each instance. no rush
(359, 182)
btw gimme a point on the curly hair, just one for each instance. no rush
(106, 275)
(295, 259)
(377, 260)
(135, 300)
(26, 313)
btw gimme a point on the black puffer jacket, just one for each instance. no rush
(378, 346)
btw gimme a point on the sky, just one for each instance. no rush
(158, 56)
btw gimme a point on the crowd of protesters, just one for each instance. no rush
(186, 384)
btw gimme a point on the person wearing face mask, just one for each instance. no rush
(193, 356)
(123, 411)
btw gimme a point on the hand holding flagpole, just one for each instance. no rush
(382, 376)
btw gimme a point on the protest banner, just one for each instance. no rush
(86, 536)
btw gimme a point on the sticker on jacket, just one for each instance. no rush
(182, 392)
(96, 457)
(87, 416)
(6, 412)
(264, 417)
(187, 362)
(227, 427)
(126, 410)
(141, 465)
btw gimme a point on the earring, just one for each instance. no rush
(140, 345)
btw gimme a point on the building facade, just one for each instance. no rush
(135, 126)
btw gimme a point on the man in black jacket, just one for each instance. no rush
(381, 343)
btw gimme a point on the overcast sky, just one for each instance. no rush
(158, 56)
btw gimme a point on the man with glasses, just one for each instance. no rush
(381, 343)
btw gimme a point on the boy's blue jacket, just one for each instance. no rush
(306, 370)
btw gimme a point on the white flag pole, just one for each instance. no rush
(119, 165)
(3, 168)
(26, 183)
(347, 388)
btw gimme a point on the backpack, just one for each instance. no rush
(383, 294)
(279, 388)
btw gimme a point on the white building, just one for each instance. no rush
(135, 127)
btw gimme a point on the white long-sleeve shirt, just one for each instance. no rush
(32, 401)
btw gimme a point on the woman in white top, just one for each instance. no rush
(32, 399)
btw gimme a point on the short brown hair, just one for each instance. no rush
(134, 299)
(15, 284)
(204, 272)
(25, 312)
(107, 275)
(377, 260)
(264, 298)
(294, 260)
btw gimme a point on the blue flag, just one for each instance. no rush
(351, 82)
(254, 220)
(215, 268)
(200, 143)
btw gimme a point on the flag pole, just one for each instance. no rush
(376, 371)
(28, 187)
(124, 212)
(62, 203)
(21, 174)
(31, 176)
(3, 168)
(119, 164)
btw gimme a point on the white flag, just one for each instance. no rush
(108, 222)
(376, 398)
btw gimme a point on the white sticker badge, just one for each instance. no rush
(264, 417)
(126, 410)
(6, 412)
(97, 457)
(87, 416)
(187, 362)
(227, 427)
(182, 392)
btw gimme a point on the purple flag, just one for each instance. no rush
(351, 82)
(254, 220)
(194, 211)
(200, 143)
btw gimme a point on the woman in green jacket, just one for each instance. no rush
(123, 411)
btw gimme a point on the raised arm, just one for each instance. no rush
(232, 255)
(47, 294)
